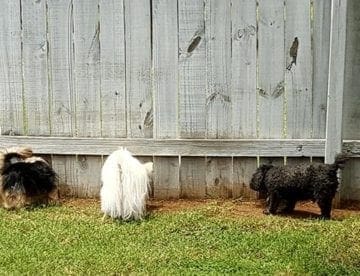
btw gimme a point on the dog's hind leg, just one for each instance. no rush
(273, 203)
(325, 207)
(289, 206)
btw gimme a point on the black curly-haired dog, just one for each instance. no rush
(25, 179)
(285, 185)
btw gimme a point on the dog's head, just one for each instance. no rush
(257, 182)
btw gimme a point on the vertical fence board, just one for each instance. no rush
(87, 68)
(298, 77)
(271, 66)
(321, 47)
(192, 69)
(243, 64)
(138, 68)
(60, 66)
(11, 102)
(192, 177)
(165, 64)
(35, 74)
(112, 68)
(219, 177)
(334, 116)
(165, 89)
(166, 180)
(218, 97)
(218, 53)
(350, 184)
(244, 167)
(351, 116)
(78, 176)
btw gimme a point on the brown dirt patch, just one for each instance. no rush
(229, 208)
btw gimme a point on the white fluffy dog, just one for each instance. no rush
(125, 186)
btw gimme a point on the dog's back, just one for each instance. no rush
(23, 181)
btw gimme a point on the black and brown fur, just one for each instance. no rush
(25, 179)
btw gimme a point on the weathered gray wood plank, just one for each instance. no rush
(112, 68)
(87, 68)
(171, 147)
(321, 43)
(60, 66)
(35, 67)
(218, 64)
(298, 77)
(165, 89)
(219, 177)
(350, 184)
(192, 69)
(166, 180)
(351, 112)
(11, 101)
(243, 63)
(271, 68)
(79, 176)
(244, 168)
(192, 177)
(165, 66)
(138, 68)
(333, 142)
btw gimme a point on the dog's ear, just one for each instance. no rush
(257, 181)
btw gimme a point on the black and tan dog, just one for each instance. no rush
(285, 185)
(25, 179)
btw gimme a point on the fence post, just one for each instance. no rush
(333, 141)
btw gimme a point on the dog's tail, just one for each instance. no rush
(125, 186)
(340, 160)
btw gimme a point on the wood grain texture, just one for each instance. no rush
(166, 180)
(350, 180)
(351, 112)
(112, 68)
(321, 47)
(11, 101)
(35, 67)
(243, 68)
(244, 168)
(171, 147)
(79, 176)
(218, 64)
(219, 177)
(192, 177)
(60, 70)
(271, 68)
(333, 142)
(192, 69)
(165, 66)
(138, 68)
(298, 77)
(87, 68)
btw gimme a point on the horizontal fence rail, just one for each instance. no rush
(181, 147)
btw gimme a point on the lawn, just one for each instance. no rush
(213, 237)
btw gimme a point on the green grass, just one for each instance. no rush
(205, 240)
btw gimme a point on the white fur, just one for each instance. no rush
(125, 186)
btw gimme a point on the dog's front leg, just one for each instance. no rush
(273, 203)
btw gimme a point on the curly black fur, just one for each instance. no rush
(289, 184)
(26, 181)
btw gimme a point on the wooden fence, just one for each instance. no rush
(207, 89)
